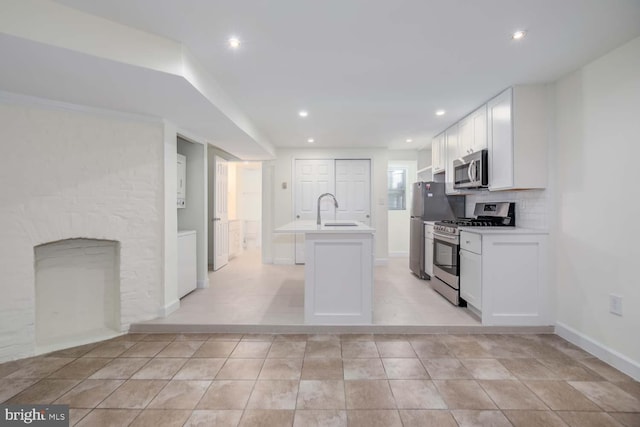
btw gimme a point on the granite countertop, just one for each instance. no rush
(311, 227)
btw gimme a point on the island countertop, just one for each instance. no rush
(310, 226)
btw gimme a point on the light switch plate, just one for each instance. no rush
(615, 304)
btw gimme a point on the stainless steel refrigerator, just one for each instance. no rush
(429, 203)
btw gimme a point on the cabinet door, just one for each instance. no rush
(451, 138)
(442, 152)
(500, 135)
(471, 278)
(479, 119)
(437, 154)
(465, 136)
(428, 256)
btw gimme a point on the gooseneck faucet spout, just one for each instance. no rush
(335, 203)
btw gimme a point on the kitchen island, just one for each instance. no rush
(338, 285)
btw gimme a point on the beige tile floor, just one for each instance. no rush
(248, 292)
(327, 380)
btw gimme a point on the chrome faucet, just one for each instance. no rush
(335, 203)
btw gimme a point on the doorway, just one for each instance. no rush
(235, 209)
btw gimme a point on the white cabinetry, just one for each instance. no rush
(428, 248)
(518, 129)
(473, 132)
(438, 153)
(181, 180)
(471, 269)
(505, 273)
(451, 143)
(187, 268)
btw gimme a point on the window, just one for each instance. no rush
(397, 188)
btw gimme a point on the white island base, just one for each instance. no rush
(338, 279)
(338, 286)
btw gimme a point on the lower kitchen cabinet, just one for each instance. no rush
(505, 278)
(428, 247)
(471, 279)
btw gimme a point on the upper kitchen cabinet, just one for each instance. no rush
(473, 132)
(452, 152)
(438, 154)
(518, 129)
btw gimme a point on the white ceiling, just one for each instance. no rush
(372, 72)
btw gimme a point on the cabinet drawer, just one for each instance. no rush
(471, 242)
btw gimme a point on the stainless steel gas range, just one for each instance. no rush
(446, 245)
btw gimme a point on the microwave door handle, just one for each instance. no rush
(471, 171)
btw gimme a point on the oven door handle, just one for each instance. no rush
(445, 237)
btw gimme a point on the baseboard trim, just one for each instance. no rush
(169, 308)
(202, 284)
(599, 350)
(398, 254)
(283, 261)
(381, 261)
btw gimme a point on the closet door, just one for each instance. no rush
(312, 178)
(353, 190)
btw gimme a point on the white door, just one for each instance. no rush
(312, 178)
(353, 190)
(220, 217)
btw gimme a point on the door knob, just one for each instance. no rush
(368, 215)
(298, 216)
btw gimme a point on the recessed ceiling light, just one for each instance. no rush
(234, 42)
(311, 140)
(440, 113)
(303, 113)
(519, 35)
(409, 140)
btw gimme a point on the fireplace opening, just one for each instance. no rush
(77, 292)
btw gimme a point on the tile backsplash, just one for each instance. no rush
(532, 206)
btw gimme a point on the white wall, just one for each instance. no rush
(170, 301)
(424, 158)
(70, 174)
(280, 248)
(596, 231)
(399, 220)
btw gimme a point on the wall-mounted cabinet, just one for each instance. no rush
(438, 154)
(518, 129)
(514, 127)
(181, 182)
(452, 152)
(473, 132)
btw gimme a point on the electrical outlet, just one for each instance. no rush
(615, 304)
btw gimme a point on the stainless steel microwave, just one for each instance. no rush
(471, 171)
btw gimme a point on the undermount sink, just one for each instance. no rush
(340, 224)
